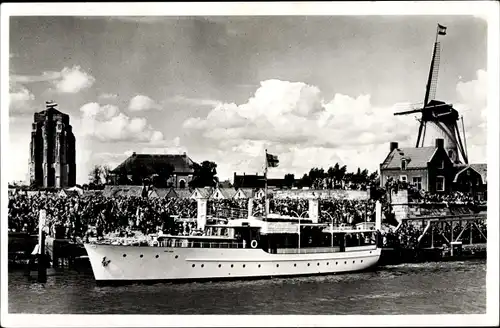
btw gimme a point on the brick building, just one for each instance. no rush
(52, 150)
(431, 169)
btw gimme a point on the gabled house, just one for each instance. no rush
(426, 168)
(245, 193)
(223, 193)
(202, 193)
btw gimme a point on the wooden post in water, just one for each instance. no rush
(42, 265)
(432, 236)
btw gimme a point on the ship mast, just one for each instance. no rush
(265, 188)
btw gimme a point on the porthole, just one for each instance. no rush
(202, 265)
(259, 265)
(124, 255)
(345, 262)
(318, 263)
(193, 265)
(220, 265)
(277, 265)
(141, 256)
(353, 261)
(244, 265)
(232, 265)
(157, 256)
(361, 261)
(327, 263)
(295, 264)
(336, 263)
(370, 252)
(177, 256)
(308, 264)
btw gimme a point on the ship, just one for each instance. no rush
(270, 245)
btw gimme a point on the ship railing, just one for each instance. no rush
(310, 250)
(200, 244)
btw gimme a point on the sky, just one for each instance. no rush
(314, 90)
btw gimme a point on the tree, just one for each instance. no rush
(205, 175)
(289, 180)
(99, 175)
(95, 175)
(305, 181)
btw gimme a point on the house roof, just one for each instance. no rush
(162, 192)
(204, 192)
(248, 192)
(228, 193)
(149, 164)
(69, 192)
(180, 193)
(482, 169)
(417, 158)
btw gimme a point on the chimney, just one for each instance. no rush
(393, 145)
(133, 154)
(439, 143)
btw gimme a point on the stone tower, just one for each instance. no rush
(52, 149)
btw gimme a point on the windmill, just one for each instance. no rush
(439, 119)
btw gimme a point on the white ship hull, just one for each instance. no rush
(145, 263)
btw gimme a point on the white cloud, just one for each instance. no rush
(107, 124)
(293, 120)
(73, 80)
(20, 99)
(142, 103)
(194, 101)
(472, 105)
(108, 96)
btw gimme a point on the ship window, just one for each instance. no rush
(244, 265)
(308, 264)
(277, 265)
(327, 263)
(176, 256)
(353, 261)
(202, 265)
(345, 262)
(220, 265)
(124, 255)
(361, 261)
(193, 265)
(232, 265)
(318, 263)
(141, 256)
(295, 264)
(259, 265)
(336, 263)
(157, 256)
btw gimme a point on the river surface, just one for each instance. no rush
(428, 288)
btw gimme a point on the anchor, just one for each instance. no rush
(105, 262)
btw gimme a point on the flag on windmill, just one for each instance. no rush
(272, 160)
(441, 29)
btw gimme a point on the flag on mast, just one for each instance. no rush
(441, 29)
(272, 160)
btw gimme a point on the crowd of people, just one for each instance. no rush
(77, 217)
(73, 216)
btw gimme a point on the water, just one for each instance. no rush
(429, 288)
